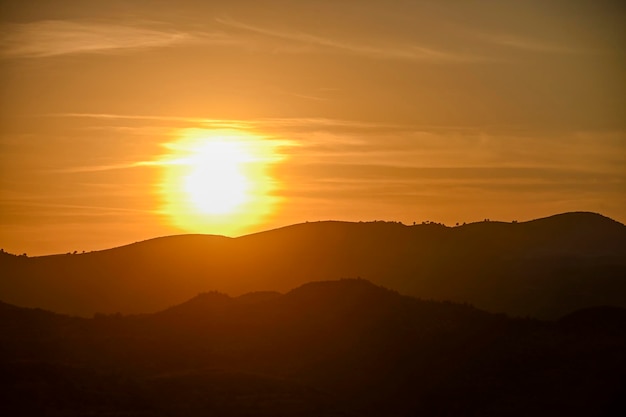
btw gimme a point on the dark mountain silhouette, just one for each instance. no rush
(340, 348)
(543, 268)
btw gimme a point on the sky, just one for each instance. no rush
(366, 110)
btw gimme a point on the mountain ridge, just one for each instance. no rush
(587, 217)
(333, 348)
(545, 267)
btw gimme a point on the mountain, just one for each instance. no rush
(338, 348)
(542, 268)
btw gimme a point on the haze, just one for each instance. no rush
(396, 110)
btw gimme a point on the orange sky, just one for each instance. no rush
(395, 110)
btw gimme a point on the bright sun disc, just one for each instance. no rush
(218, 181)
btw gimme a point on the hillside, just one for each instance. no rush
(341, 348)
(542, 268)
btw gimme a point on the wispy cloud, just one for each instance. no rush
(412, 52)
(305, 96)
(290, 124)
(100, 168)
(339, 141)
(528, 44)
(92, 209)
(61, 37)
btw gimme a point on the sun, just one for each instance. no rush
(218, 181)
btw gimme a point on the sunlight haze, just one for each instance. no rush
(122, 121)
(217, 181)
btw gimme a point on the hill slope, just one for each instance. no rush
(544, 268)
(342, 348)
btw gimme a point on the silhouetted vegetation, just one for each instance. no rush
(544, 268)
(341, 348)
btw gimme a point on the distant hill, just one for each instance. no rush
(340, 348)
(542, 268)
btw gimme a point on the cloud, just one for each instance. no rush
(410, 52)
(328, 142)
(100, 168)
(91, 210)
(131, 117)
(61, 37)
(48, 38)
(288, 123)
(529, 44)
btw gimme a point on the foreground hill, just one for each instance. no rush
(543, 268)
(342, 348)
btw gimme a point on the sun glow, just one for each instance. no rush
(218, 181)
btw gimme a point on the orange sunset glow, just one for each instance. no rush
(312, 208)
(123, 121)
(218, 181)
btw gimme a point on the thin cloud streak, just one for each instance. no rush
(100, 168)
(63, 37)
(321, 148)
(313, 140)
(529, 44)
(290, 124)
(389, 51)
(307, 123)
(102, 209)
(195, 121)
